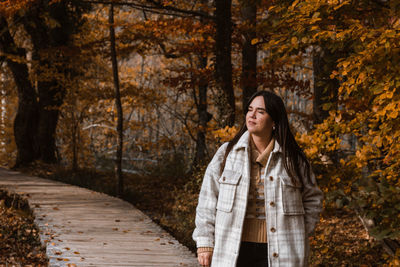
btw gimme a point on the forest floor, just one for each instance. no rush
(19, 237)
(340, 238)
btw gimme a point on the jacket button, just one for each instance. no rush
(272, 204)
(271, 178)
(273, 230)
(275, 255)
(223, 179)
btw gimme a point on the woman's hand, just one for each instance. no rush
(204, 258)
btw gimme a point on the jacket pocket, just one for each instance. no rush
(227, 189)
(292, 201)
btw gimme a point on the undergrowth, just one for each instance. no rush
(19, 236)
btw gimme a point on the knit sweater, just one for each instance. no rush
(254, 227)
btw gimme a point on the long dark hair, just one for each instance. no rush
(295, 161)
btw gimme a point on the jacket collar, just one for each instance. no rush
(244, 143)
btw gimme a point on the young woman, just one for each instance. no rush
(259, 200)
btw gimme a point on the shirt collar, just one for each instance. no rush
(244, 143)
(263, 157)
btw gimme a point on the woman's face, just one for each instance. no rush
(258, 121)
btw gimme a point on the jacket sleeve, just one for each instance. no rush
(312, 202)
(203, 233)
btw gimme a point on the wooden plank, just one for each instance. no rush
(86, 228)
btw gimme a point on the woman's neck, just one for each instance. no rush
(261, 142)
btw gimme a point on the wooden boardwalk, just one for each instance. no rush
(86, 228)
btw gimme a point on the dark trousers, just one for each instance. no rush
(253, 255)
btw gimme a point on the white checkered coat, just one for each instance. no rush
(291, 212)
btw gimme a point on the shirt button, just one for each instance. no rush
(275, 255)
(273, 230)
(272, 204)
(271, 178)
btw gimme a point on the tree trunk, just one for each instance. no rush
(25, 123)
(223, 63)
(249, 52)
(201, 104)
(325, 88)
(74, 135)
(118, 163)
(51, 96)
(50, 91)
(203, 116)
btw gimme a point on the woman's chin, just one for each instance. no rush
(252, 131)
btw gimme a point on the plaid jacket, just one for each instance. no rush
(291, 212)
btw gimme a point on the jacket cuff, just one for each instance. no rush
(204, 242)
(204, 249)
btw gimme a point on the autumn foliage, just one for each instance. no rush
(20, 243)
(356, 148)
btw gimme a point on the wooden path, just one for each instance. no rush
(86, 228)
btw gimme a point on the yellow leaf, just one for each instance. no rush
(294, 4)
(254, 41)
(338, 118)
(397, 25)
(393, 114)
(361, 77)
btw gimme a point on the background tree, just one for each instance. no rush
(248, 81)
(40, 89)
(223, 63)
(358, 42)
(120, 133)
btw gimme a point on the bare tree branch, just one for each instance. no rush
(156, 7)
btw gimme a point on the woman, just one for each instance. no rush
(259, 200)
